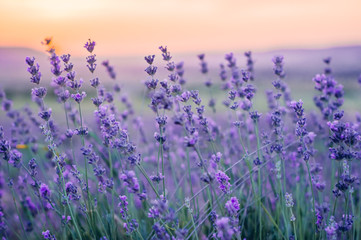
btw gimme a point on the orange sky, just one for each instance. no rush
(138, 27)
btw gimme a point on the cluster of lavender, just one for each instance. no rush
(195, 170)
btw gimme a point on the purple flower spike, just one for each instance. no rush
(204, 65)
(46, 114)
(60, 81)
(327, 60)
(152, 83)
(123, 205)
(224, 229)
(201, 56)
(89, 46)
(255, 116)
(94, 82)
(36, 78)
(33, 70)
(91, 63)
(223, 181)
(165, 53)
(6, 105)
(39, 92)
(151, 70)
(30, 61)
(110, 69)
(149, 59)
(78, 97)
(44, 191)
(130, 181)
(331, 229)
(232, 206)
(278, 66)
(47, 235)
(65, 58)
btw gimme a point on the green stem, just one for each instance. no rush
(148, 179)
(161, 154)
(259, 178)
(190, 179)
(82, 141)
(18, 213)
(334, 207)
(67, 200)
(64, 190)
(294, 225)
(100, 219)
(194, 226)
(210, 196)
(112, 192)
(273, 221)
(90, 205)
(313, 198)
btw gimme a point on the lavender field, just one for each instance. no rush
(225, 152)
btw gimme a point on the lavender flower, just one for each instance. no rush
(123, 205)
(149, 59)
(30, 61)
(65, 58)
(289, 200)
(94, 82)
(180, 72)
(165, 53)
(204, 67)
(33, 70)
(55, 63)
(192, 140)
(160, 231)
(44, 191)
(130, 181)
(151, 84)
(60, 81)
(224, 230)
(254, 116)
(331, 229)
(151, 70)
(232, 206)
(78, 97)
(89, 46)
(250, 65)
(91, 63)
(72, 191)
(75, 85)
(223, 181)
(39, 92)
(47, 235)
(33, 167)
(15, 158)
(7, 105)
(110, 69)
(278, 67)
(63, 96)
(45, 115)
(131, 226)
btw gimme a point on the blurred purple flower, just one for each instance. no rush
(89, 46)
(44, 191)
(232, 206)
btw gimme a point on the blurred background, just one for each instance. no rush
(304, 32)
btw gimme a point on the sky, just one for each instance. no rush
(139, 27)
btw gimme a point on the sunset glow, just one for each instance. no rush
(140, 26)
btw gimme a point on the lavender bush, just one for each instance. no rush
(178, 173)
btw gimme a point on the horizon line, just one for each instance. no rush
(191, 52)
